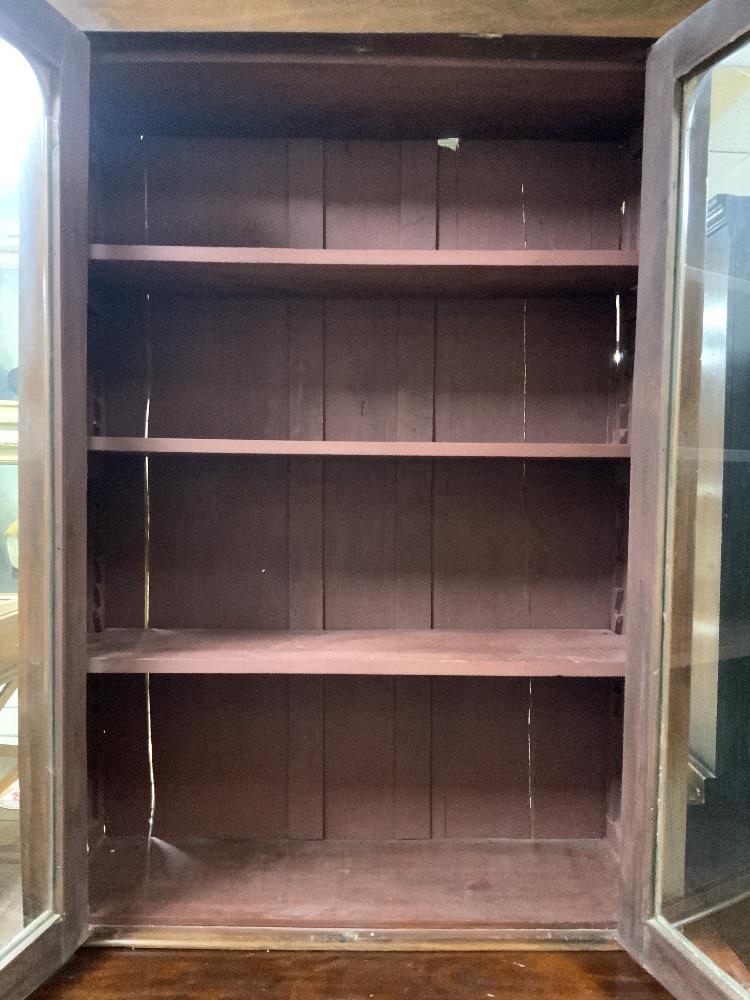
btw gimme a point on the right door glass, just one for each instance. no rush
(703, 874)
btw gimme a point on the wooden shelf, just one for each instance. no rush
(187, 270)
(455, 884)
(397, 449)
(506, 653)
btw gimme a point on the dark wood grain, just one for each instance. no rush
(162, 975)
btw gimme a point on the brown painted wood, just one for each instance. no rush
(232, 729)
(363, 449)
(512, 975)
(447, 884)
(569, 776)
(369, 87)
(208, 568)
(563, 17)
(377, 544)
(54, 818)
(363, 272)
(479, 371)
(288, 490)
(380, 195)
(515, 652)
(714, 26)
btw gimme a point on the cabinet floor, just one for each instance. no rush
(96, 974)
(347, 883)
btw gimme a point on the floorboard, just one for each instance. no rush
(102, 974)
(359, 884)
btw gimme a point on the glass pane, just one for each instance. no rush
(26, 763)
(703, 882)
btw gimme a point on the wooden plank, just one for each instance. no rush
(569, 348)
(502, 87)
(117, 512)
(480, 197)
(356, 884)
(206, 353)
(221, 192)
(380, 195)
(220, 756)
(263, 270)
(413, 545)
(447, 16)
(306, 329)
(412, 764)
(481, 736)
(573, 194)
(361, 369)
(394, 449)
(363, 573)
(306, 781)
(418, 223)
(306, 206)
(219, 542)
(569, 509)
(119, 165)
(360, 764)
(305, 486)
(479, 371)
(416, 358)
(119, 341)
(568, 776)
(117, 725)
(480, 546)
(514, 652)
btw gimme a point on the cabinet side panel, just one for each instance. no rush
(117, 534)
(119, 773)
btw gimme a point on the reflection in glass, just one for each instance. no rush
(704, 843)
(21, 129)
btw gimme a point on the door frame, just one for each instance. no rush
(650, 939)
(50, 41)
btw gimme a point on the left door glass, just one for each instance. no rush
(25, 723)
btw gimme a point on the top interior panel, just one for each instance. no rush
(367, 87)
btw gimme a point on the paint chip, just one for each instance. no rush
(449, 143)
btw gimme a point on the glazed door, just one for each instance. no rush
(43, 270)
(686, 861)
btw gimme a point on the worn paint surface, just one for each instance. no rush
(635, 19)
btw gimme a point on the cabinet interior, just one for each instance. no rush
(358, 524)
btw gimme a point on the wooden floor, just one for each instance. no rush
(104, 974)
(330, 883)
